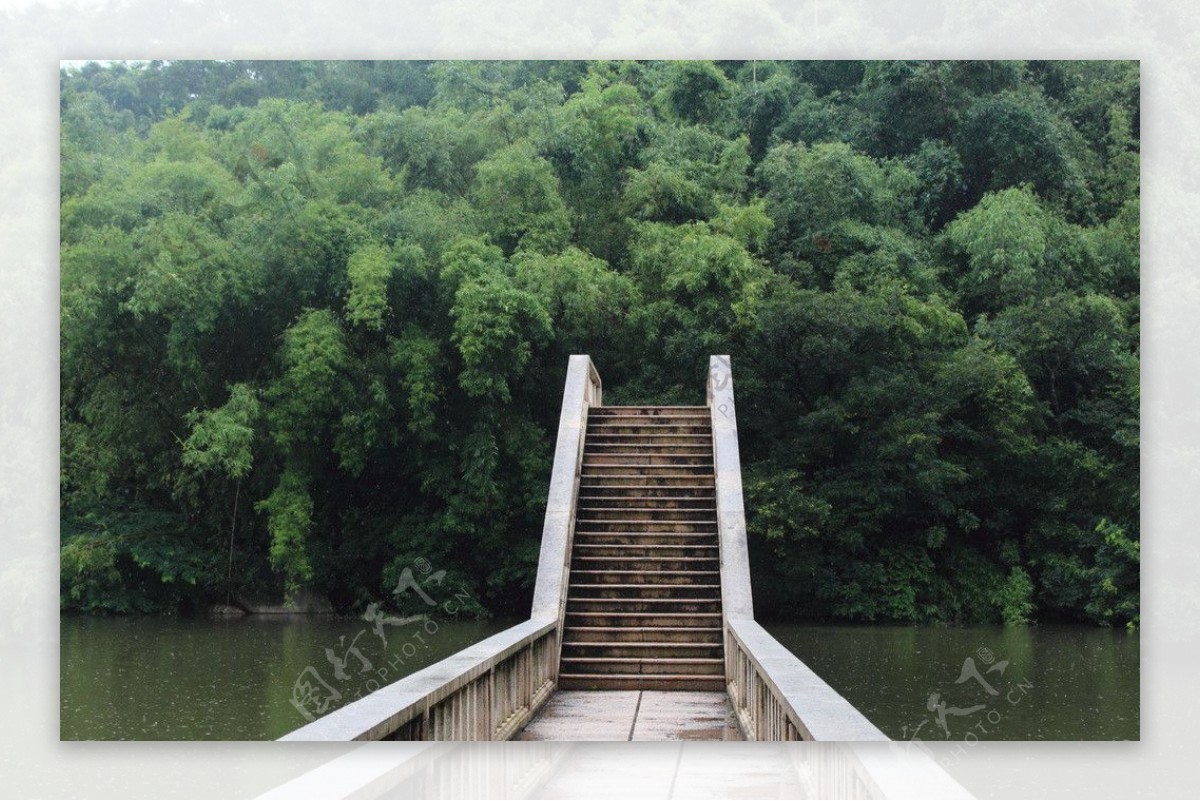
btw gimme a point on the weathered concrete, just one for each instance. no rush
(643, 715)
(685, 716)
(817, 710)
(383, 712)
(594, 715)
(731, 511)
(581, 391)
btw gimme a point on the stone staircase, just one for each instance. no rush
(644, 597)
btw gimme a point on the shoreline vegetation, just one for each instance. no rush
(315, 317)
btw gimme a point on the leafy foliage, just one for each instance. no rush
(132, 559)
(221, 438)
(325, 306)
(289, 519)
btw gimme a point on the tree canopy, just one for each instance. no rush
(327, 307)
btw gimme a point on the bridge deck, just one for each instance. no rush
(633, 715)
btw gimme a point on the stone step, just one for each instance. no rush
(611, 681)
(650, 434)
(590, 501)
(617, 619)
(654, 427)
(621, 562)
(657, 606)
(649, 505)
(597, 473)
(649, 514)
(643, 450)
(642, 538)
(626, 418)
(639, 519)
(639, 593)
(606, 480)
(649, 411)
(644, 592)
(644, 421)
(649, 551)
(679, 584)
(624, 634)
(696, 527)
(647, 444)
(641, 665)
(584, 566)
(667, 438)
(646, 526)
(625, 491)
(642, 650)
(630, 577)
(654, 505)
(641, 460)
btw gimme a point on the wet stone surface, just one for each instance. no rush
(596, 715)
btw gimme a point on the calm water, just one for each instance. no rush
(1060, 683)
(201, 679)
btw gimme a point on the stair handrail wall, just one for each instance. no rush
(490, 690)
(736, 602)
(773, 693)
(582, 391)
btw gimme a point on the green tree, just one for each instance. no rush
(369, 268)
(1015, 137)
(813, 193)
(694, 92)
(222, 442)
(1014, 248)
(319, 311)
(289, 512)
(595, 136)
(518, 200)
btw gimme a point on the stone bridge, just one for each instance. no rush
(642, 625)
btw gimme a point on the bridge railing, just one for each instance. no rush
(582, 391)
(487, 691)
(490, 690)
(774, 695)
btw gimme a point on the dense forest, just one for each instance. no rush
(316, 317)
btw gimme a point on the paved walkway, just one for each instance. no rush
(595, 715)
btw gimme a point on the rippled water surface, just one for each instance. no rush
(230, 679)
(1060, 682)
(202, 679)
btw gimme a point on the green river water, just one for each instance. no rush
(249, 678)
(1059, 683)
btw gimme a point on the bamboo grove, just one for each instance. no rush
(315, 318)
